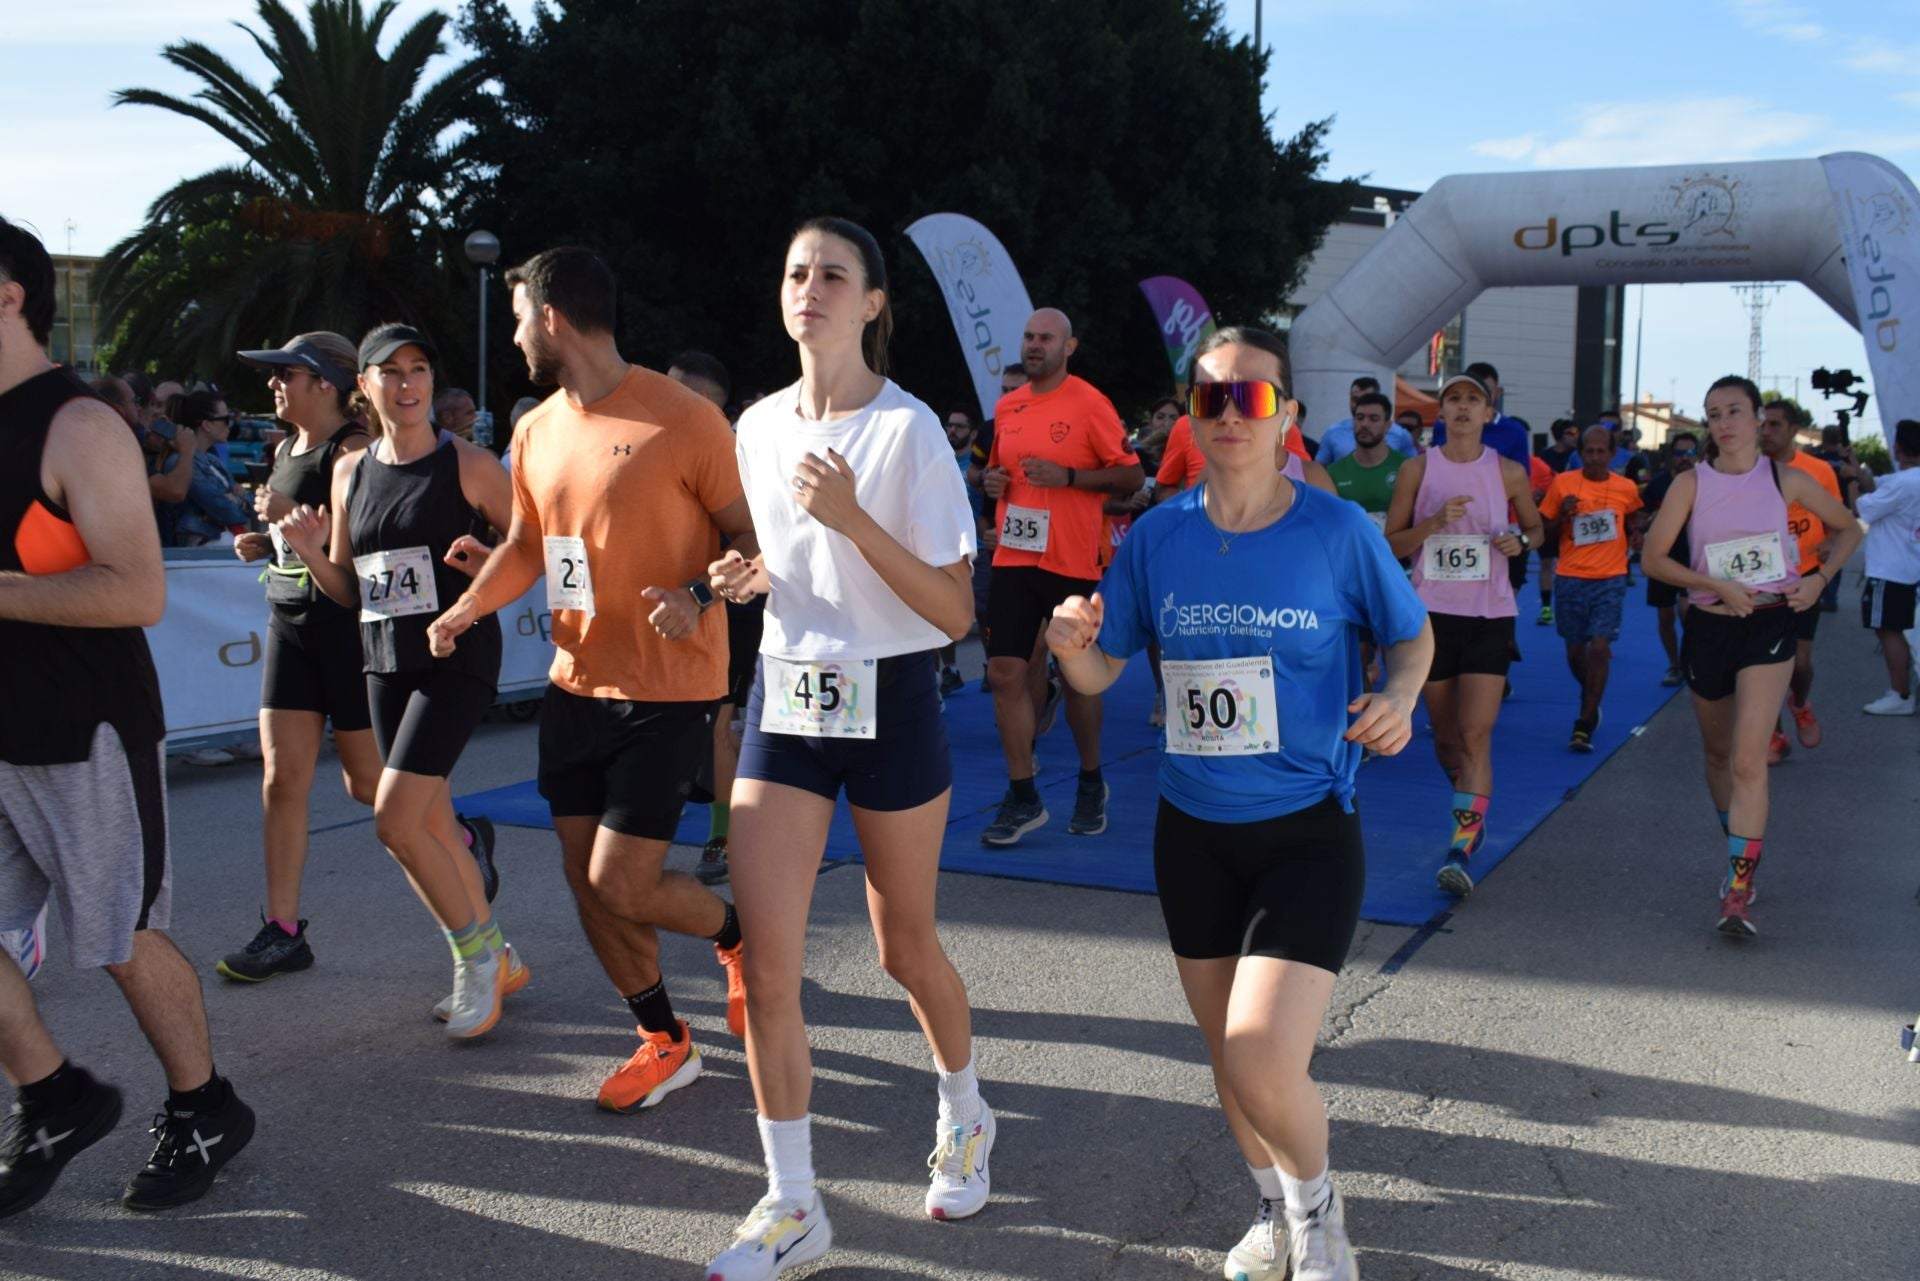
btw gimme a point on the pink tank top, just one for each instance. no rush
(1293, 470)
(1727, 507)
(1480, 480)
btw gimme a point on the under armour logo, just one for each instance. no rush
(201, 1145)
(43, 1142)
(623, 449)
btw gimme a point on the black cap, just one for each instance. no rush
(380, 345)
(302, 354)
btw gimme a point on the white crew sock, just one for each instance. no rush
(959, 1095)
(1270, 1181)
(1303, 1196)
(788, 1146)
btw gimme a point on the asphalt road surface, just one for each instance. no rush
(1575, 1077)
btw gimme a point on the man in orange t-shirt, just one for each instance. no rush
(623, 484)
(1777, 428)
(1059, 450)
(1587, 513)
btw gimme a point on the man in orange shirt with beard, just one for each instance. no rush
(1059, 449)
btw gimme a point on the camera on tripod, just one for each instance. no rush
(1842, 382)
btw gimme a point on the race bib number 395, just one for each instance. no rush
(819, 700)
(1025, 528)
(1221, 706)
(1458, 558)
(1757, 559)
(1589, 528)
(396, 584)
(569, 583)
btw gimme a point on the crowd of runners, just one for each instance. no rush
(768, 609)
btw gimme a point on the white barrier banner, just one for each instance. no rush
(211, 643)
(984, 293)
(1879, 213)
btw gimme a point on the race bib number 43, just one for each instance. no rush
(1458, 558)
(1757, 559)
(1025, 528)
(569, 584)
(396, 584)
(1221, 707)
(818, 700)
(1589, 528)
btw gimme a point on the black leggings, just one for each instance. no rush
(1287, 887)
(422, 720)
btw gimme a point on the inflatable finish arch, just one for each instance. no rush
(1761, 220)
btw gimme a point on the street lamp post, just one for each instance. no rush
(483, 250)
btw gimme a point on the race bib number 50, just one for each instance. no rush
(1221, 707)
(818, 700)
(569, 583)
(1754, 560)
(1458, 558)
(396, 584)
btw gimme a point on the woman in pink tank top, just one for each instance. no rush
(1450, 514)
(1738, 649)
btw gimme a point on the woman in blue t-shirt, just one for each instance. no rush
(1257, 590)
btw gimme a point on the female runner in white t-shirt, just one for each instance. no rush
(868, 542)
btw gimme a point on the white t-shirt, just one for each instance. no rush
(1892, 513)
(826, 600)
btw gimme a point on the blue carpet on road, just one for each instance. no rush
(1404, 800)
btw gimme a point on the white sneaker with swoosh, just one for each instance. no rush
(961, 1180)
(777, 1235)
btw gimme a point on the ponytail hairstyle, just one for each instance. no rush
(344, 357)
(879, 331)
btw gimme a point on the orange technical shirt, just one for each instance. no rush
(636, 476)
(1807, 527)
(1072, 425)
(1595, 560)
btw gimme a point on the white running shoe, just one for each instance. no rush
(518, 976)
(1320, 1248)
(1890, 704)
(776, 1236)
(1262, 1254)
(477, 990)
(959, 1164)
(27, 947)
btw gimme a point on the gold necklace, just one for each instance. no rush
(1226, 539)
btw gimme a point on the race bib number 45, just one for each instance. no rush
(1221, 707)
(569, 583)
(1025, 528)
(396, 584)
(1757, 559)
(1458, 558)
(1589, 528)
(819, 700)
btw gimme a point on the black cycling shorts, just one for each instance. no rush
(422, 720)
(1287, 887)
(1020, 603)
(1468, 645)
(316, 667)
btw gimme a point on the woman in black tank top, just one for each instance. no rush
(310, 673)
(396, 542)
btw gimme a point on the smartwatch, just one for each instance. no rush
(1525, 542)
(702, 594)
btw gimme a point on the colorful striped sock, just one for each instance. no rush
(490, 934)
(1469, 822)
(1743, 857)
(466, 942)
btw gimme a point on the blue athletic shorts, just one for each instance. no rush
(905, 765)
(1587, 609)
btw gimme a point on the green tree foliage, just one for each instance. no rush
(332, 218)
(1101, 140)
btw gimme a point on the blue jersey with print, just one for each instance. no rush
(1300, 591)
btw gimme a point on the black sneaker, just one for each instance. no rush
(273, 951)
(1049, 710)
(1089, 810)
(951, 682)
(482, 832)
(713, 862)
(189, 1149)
(37, 1143)
(1015, 819)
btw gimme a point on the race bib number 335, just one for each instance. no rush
(1025, 528)
(1221, 706)
(819, 700)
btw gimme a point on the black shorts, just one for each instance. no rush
(1287, 887)
(745, 623)
(628, 764)
(315, 667)
(1468, 645)
(422, 720)
(1663, 595)
(1806, 623)
(1886, 606)
(906, 764)
(1714, 648)
(1020, 604)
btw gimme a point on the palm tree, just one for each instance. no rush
(334, 219)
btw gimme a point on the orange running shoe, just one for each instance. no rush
(1777, 748)
(658, 1068)
(1805, 725)
(729, 959)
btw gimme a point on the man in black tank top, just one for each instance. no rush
(82, 793)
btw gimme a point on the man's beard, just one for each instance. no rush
(542, 368)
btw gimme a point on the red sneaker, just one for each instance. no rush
(1777, 748)
(1805, 725)
(1734, 916)
(729, 959)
